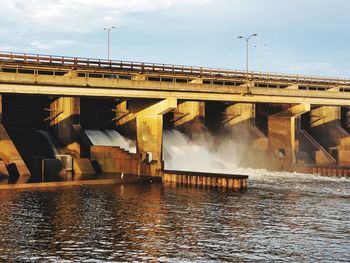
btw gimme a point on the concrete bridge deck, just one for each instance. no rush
(67, 76)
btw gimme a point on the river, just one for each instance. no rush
(281, 217)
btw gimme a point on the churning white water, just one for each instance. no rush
(202, 154)
(110, 138)
(205, 153)
(208, 154)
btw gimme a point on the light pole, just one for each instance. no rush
(108, 42)
(247, 48)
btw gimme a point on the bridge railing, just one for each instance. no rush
(143, 67)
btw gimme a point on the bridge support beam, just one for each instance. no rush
(190, 115)
(64, 119)
(127, 111)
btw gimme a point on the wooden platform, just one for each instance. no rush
(229, 181)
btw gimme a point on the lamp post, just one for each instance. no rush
(108, 41)
(247, 48)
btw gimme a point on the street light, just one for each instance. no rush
(247, 48)
(108, 33)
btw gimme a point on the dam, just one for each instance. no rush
(51, 107)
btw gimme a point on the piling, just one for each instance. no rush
(199, 179)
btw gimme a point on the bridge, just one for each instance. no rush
(298, 123)
(107, 78)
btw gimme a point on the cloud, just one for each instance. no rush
(78, 15)
(51, 44)
(196, 32)
(39, 45)
(56, 25)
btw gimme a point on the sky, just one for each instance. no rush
(307, 37)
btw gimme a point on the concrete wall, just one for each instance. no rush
(116, 160)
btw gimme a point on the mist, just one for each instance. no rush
(202, 153)
(227, 152)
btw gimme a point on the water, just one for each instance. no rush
(281, 217)
(183, 153)
(110, 138)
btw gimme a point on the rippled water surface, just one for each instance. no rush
(281, 217)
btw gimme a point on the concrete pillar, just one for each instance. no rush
(347, 119)
(282, 134)
(10, 157)
(3, 170)
(150, 141)
(190, 115)
(64, 119)
(239, 118)
(148, 118)
(282, 138)
(325, 126)
(0, 109)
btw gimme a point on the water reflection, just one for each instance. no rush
(169, 224)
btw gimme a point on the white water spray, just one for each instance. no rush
(202, 154)
(110, 138)
(49, 140)
(207, 153)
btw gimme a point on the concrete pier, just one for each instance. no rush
(10, 157)
(148, 118)
(64, 117)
